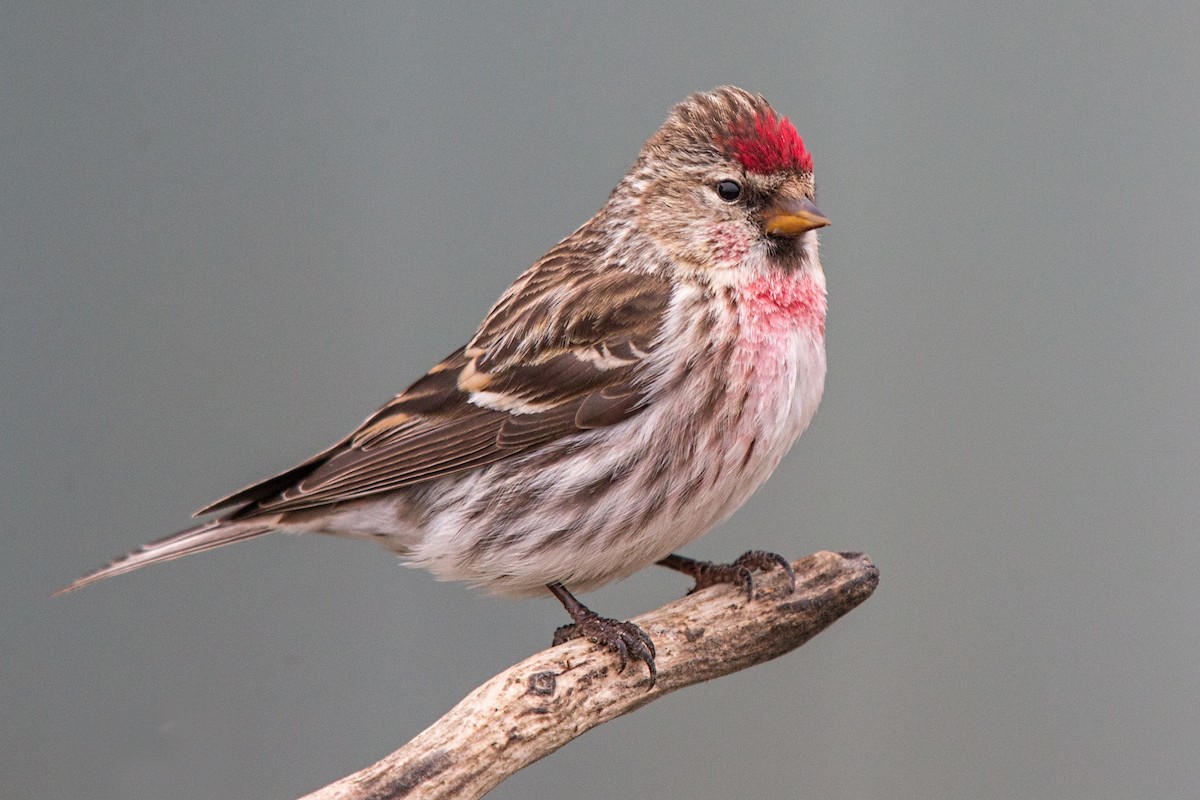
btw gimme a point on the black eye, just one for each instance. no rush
(729, 191)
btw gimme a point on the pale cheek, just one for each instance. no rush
(729, 241)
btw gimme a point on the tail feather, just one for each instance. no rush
(217, 533)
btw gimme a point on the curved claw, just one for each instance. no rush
(765, 560)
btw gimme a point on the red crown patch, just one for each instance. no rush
(771, 145)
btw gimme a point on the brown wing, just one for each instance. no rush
(560, 353)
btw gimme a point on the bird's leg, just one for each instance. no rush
(739, 573)
(627, 639)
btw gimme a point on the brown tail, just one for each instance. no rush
(193, 540)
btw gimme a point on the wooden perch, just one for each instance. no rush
(532, 709)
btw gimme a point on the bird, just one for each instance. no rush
(629, 391)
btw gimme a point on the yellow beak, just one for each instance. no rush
(792, 217)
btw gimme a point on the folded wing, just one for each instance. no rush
(563, 351)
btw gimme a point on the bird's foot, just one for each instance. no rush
(628, 640)
(739, 573)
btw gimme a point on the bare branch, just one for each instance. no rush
(532, 709)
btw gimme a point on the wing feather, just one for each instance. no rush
(562, 352)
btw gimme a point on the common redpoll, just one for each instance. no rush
(629, 391)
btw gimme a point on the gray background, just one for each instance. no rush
(228, 232)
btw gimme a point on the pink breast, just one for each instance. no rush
(781, 320)
(780, 304)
